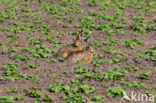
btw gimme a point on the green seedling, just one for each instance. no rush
(132, 43)
(76, 82)
(6, 99)
(54, 40)
(45, 29)
(2, 16)
(145, 75)
(58, 87)
(134, 84)
(115, 91)
(12, 90)
(47, 98)
(34, 66)
(131, 68)
(92, 2)
(34, 93)
(20, 97)
(11, 72)
(41, 51)
(33, 78)
(52, 60)
(35, 41)
(97, 97)
(87, 22)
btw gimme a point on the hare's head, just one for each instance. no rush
(90, 48)
(77, 41)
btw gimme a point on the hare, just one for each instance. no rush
(85, 55)
(76, 46)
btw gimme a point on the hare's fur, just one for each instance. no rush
(85, 55)
(76, 46)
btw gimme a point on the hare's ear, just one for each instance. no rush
(91, 47)
(88, 40)
(81, 33)
(78, 37)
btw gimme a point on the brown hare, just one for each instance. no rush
(76, 46)
(83, 55)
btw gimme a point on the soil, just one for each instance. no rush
(49, 69)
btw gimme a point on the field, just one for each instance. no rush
(122, 33)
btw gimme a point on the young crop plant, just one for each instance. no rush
(119, 12)
(21, 57)
(45, 29)
(34, 66)
(57, 87)
(113, 75)
(35, 15)
(115, 91)
(20, 97)
(99, 62)
(66, 26)
(36, 101)
(59, 33)
(70, 2)
(72, 19)
(6, 99)
(86, 89)
(35, 41)
(52, 60)
(54, 40)
(151, 93)
(123, 71)
(92, 2)
(134, 84)
(139, 19)
(2, 16)
(12, 11)
(109, 18)
(9, 49)
(139, 28)
(74, 95)
(56, 11)
(106, 27)
(112, 42)
(86, 32)
(145, 75)
(25, 7)
(76, 81)
(41, 51)
(132, 43)
(151, 51)
(131, 68)
(33, 78)
(12, 90)
(76, 98)
(150, 54)
(151, 27)
(114, 61)
(87, 22)
(97, 97)
(97, 44)
(47, 98)
(54, 76)
(34, 93)
(12, 39)
(11, 72)
(81, 70)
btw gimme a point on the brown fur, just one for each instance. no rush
(85, 55)
(76, 46)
